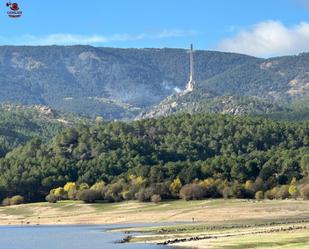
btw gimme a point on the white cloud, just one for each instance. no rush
(64, 39)
(269, 38)
(177, 89)
(73, 39)
(158, 35)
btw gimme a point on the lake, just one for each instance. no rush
(65, 237)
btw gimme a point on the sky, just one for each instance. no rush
(262, 28)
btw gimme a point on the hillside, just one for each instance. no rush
(226, 148)
(196, 102)
(275, 78)
(123, 83)
(258, 87)
(19, 124)
(114, 83)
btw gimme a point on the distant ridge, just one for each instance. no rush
(123, 83)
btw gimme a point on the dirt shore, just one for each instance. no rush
(209, 223)
(208, 211)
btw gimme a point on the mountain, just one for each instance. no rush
(257, 87)
(123, 83)
(113, 83)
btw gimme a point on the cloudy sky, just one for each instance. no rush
(261, 28)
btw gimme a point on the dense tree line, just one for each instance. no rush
(137, 188)
(232, 151)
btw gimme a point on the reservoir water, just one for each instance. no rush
(64, 237)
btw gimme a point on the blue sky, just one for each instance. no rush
(258, 27)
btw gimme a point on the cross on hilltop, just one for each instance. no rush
(191, 84)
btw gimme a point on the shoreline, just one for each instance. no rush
(229, 222)
(202, 238)
(204, 211)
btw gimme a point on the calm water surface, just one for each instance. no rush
(65, 237)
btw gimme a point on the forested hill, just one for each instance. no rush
(122, 83)
(256, 87)
(19, 124)
(228, 148)
(114, 83)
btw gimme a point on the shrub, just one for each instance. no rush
(127, 195)
(238, 191)
(131, 193)
(226, 192)
(17, 200)
(192, 192)
(72, 194)
(156, 198)
(68, 186)
(249, 189)
(249, 185)
(282, 192)
(304, 192)
(70, 190)
(51, 198)
(145, 194)
(293, 191)
(210, 188)
(259, 195)
(114, 191)
(163, 189)
(89, 195)
(83, 186)
(6, 202)
(98, 186)
(259, 185)
(269, 194)
(60, 193)
(176, 186)
(137, 181)
(105, 194)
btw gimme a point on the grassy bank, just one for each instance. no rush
(205, 211)
(274, 233)
(217, 223)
